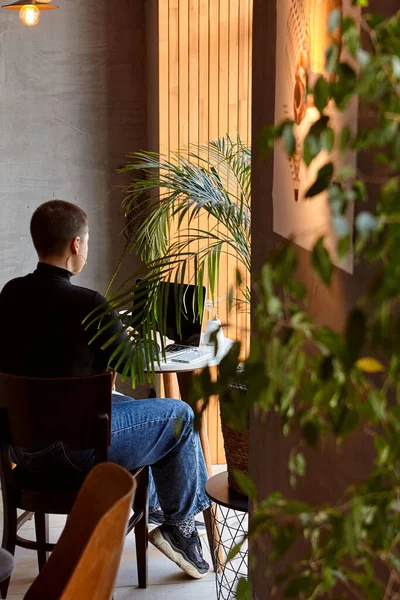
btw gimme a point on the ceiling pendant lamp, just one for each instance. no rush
(29, 12)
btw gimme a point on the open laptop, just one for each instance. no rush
(186, 336)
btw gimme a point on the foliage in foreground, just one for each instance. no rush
(321, 382)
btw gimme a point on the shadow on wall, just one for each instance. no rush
(126, 108)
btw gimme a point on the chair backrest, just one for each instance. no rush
(84, 563)
(76, 411)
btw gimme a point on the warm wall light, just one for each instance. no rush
(29, 12)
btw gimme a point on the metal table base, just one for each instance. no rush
(230, 518)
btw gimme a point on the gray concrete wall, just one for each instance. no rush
(72, 105)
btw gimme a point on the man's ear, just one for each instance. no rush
(74, 246)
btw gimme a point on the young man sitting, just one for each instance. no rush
(55, 343)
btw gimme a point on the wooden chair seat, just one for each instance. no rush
(38, 494)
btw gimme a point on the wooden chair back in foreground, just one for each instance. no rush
(85, 561)
(75, 411)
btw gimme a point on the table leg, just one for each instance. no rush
(185, 385)
(168, 379)
(158, 384)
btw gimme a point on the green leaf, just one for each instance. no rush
(326, 368)
(283, 541)
(345, 138)
(321, 262)
(351, 36)
(311, 148)
(366, 223)
(246, 484)
(345, 85)
(360, 189)
(300, 587)
(319, 126)
(243, 590)
(395, 559)
(328, 139)
(363, 58)
(233, 552)
(370, 365)
(355, 335)
(337, 200)
(267, 139)
(350, 534)
(289, 139)
(346, 172)
(311, 434)
(275, 306)
(297, 464)
(348, 421)
(332, 58)
(341, 226)
(321, 94)
(323, 180)
(377, 402)
(313, 145)
(344, 246)
(335, 20)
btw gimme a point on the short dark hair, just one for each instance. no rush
(54, 224)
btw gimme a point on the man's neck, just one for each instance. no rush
(55, 261)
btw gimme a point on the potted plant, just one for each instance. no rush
(162, 203)
(214, 181)
(323, 385)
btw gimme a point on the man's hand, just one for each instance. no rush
(131, 332)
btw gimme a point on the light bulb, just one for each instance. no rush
(29, 15)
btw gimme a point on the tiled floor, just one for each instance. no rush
(166, 581)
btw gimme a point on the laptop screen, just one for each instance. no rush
(183, 297)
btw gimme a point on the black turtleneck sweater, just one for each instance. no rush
(41, 330)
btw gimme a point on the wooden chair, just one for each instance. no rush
(84, 563)
(77, 412)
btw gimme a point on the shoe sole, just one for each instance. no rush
(159, 541)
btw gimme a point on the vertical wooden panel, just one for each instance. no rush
(233, 126)
(183, 77)
(223, 128)
(173, 142)
(204, 71)
(163, 76)
(205, 93)
(194, 70)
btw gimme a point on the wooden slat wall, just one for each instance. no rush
(204, 93)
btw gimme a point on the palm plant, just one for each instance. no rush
(163, 204)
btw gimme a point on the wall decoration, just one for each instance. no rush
(302, 40)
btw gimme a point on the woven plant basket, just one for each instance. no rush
(236, 444)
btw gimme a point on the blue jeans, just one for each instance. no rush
(155, 432)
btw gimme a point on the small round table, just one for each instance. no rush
(229, 514)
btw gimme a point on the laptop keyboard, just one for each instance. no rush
(175, 348)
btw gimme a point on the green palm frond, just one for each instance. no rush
(212, 180)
